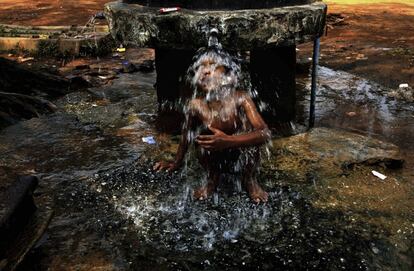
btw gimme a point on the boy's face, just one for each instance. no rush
(210, 75)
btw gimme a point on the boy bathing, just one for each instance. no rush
(225, 125)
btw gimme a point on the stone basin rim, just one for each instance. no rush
(219, 5)
(143, 9)
(140, 26)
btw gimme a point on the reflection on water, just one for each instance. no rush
(356, 104)
(341, 93)
(110, 205)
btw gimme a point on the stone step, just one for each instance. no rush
(17, 29)
(22, 223)
(17, 206)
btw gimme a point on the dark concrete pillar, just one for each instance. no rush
(171, 66)
(273, 76)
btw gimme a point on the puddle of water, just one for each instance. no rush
(356, 104)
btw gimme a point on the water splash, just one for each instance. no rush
(164, 213)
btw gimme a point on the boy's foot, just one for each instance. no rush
(256, 192)
(204, 192)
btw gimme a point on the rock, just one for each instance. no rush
(16, 78)
(22, 223)
(146, 66)
(404, 92)
(328, 152)
(82, 67)
(128, 67)
(141, 26)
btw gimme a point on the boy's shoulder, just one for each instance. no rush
(194, 105)
(242, 95)
(195, 102)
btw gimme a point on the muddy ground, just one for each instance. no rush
(48, 12)
(375, 41)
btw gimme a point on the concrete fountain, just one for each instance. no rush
(268, 30)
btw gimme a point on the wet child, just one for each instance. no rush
(224, 124)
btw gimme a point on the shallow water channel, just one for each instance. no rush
(112, 212)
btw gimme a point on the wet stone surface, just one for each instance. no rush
(118, 104)
(113, 213)
(331, 152)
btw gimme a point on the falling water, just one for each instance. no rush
(185, 224)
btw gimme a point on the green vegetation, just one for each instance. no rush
(18, 50)
(47, 48)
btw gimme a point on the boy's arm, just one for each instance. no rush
(182, 147)
(260, 134)
(184, 141)
(219, 140)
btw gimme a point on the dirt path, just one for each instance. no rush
(370, 38)
(49, 12)
(375, 41)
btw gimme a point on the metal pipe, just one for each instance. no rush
(315, 62)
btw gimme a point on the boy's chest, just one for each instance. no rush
(221, 116)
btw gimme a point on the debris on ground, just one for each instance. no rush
(379, 175)
(128, 67)
(169, 10)
(121, 50)
(24, 59)
(403, 92)
(149, 140)
(335, 19)
(361, 57)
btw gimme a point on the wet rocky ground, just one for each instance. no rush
(113, 213)
(326, 209)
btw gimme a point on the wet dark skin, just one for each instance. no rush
(228, 131)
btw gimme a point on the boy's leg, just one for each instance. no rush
(207, 190)
(248, 175)
(213, 177)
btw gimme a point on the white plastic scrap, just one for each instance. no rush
(148, 140)
(379, 175)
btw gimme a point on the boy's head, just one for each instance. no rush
(213, 71)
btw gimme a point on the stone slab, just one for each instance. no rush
(328, 152)
(141, 26)
(16, 206)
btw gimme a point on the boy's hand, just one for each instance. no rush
(167, 166)
(218, 141)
